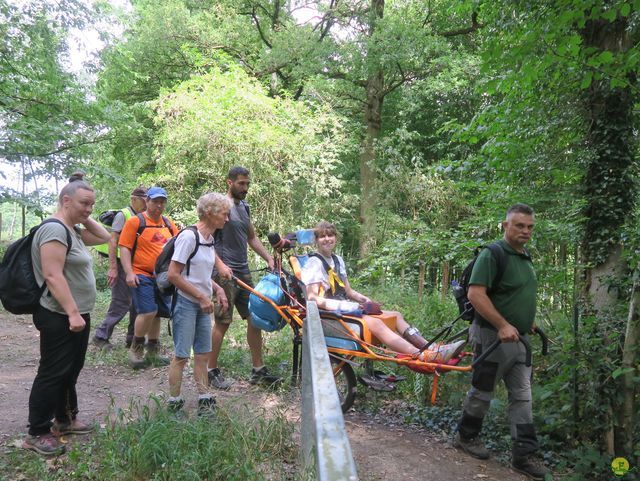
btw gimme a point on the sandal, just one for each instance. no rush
(376, 383)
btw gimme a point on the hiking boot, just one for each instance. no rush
(217, 380)
(445, 352)
(473, 447)
(73, 427)
(206, 406)
(102, 344)
(45, 444)
(153, 357)
(136, 355)
(531, 466)
(263, 376)
(175, 405)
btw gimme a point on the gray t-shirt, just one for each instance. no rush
(119, 220)
(231, 241)
(78, 268)
(201, 264)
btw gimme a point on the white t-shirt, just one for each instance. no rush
(201, 264)
(313, 271)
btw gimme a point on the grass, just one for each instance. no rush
(148, 443)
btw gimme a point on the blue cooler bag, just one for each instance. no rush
(263, 315)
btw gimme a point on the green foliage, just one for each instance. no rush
(47, 120)
(147, 442)
(222, 119)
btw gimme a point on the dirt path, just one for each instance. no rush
(382, 452)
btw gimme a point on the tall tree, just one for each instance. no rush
(47, 119)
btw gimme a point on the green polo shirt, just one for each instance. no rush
(515, 297)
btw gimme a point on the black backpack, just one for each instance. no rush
(19, 290)
(460, 288)
(107, 217)
(161, 269)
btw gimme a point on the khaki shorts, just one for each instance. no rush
(237, 296)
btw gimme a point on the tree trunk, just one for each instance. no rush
(445, 280)
(373, 122)
(629, 363)
(421, 275)
(23, 209)
(610, 192)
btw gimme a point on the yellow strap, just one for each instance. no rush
(333, 279)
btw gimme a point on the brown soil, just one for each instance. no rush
(382, 451)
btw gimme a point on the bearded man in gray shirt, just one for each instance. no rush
(231, 245)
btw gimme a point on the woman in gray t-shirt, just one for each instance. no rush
(63, 315)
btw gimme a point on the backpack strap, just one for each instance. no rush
(167, 224)
(332, 273)
(501, 264)
(193, 229)
(128, 212)
(142, 226)
(66, 229)
(53, 220)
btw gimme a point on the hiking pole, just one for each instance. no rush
(544, 339)
(495, 345)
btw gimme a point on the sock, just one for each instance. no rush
(175, 399)
(256, 369)
(205, 396)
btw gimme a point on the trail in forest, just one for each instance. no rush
(383, 451)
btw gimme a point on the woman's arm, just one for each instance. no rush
(53, 256)
(175, 277)
(94, 233)
(222, 269)
(313, 294)
(221, 296)
(353, 294)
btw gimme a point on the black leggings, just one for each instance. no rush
(62, 354)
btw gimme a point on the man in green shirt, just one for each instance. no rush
(504, 312)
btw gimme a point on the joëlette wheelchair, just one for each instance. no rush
(280, 299)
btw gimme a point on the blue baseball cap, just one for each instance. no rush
(155, 192)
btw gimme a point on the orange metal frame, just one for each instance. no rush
(294, 315)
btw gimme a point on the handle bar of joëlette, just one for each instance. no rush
(523, 340)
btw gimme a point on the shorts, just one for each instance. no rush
(237, 297)
(191, 328)
(147, 299)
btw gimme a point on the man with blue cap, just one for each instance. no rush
(141, 242)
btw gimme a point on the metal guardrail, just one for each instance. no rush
(324, 437)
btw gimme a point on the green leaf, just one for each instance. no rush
(621, 371)
(586, 80)
(605, 57)
(625, 9)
